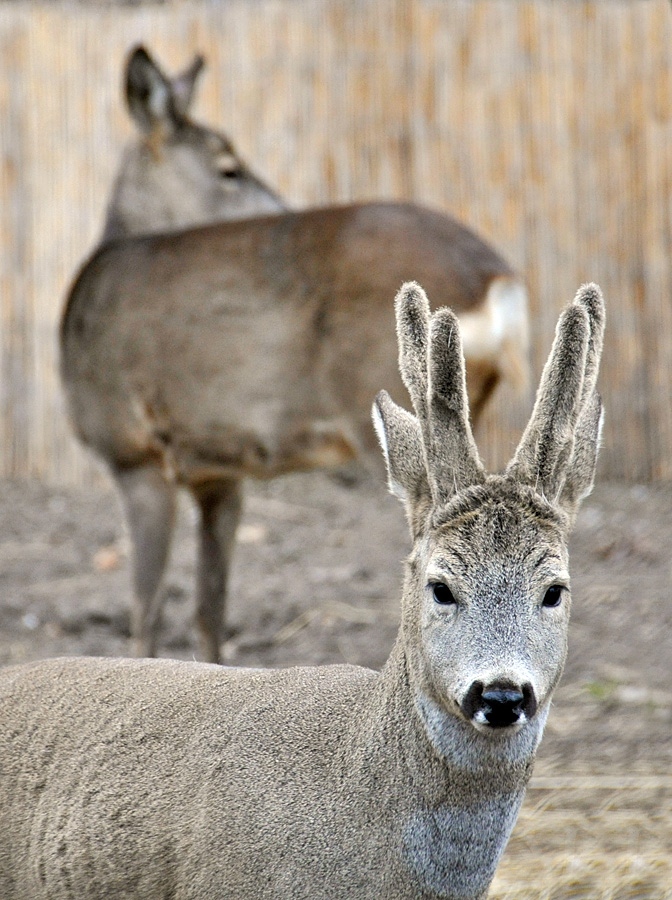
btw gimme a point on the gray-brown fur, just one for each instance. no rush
(179, 173)
(158, 779)
(247, 348)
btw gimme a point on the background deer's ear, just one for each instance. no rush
(184, 85)
(149, 93)
(401, 441)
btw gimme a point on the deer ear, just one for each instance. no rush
(401, 442)
(148, 93)
(184, 85)
(581, 475)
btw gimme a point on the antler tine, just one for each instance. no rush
(581, 476)
(590, 297)
(412, 312)
(431, 363)
(546, 447)
(453, 460)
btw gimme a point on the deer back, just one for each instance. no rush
(256, 346)
(252, 344)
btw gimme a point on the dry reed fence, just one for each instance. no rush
(546, 125)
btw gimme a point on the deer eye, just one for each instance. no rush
(227, 165)
(553, 596)
(442, 594)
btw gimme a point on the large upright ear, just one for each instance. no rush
(184, 85)
(149, 93)
(401, 442)
(557, 454)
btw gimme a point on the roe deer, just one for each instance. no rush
(161, 778)
(180, 173)
(198, 357)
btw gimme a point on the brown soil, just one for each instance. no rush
(317, 579)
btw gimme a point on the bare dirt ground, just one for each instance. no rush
(317, 579)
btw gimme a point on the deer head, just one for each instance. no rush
(178, 174)
(487, 593)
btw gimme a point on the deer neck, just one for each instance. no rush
(464, 789)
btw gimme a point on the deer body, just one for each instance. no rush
(155, 778)
(197, 350)
(266, 362)
(183, 805)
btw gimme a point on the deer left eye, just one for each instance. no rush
(553, 596)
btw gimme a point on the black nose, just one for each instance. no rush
(499, 704)
(502, 707)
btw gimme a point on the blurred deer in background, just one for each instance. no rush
(178, 174)
(199, 356)
(160, 778)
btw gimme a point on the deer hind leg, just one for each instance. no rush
(149, 502)
(220, 505)
(482, 380)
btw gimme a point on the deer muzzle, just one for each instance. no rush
(499, 704)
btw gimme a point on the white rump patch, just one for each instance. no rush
(499, 329)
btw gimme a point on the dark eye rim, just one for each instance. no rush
(553, 596)
(442, 594)
(229, 173)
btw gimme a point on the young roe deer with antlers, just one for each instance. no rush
(250, 348)
(161, 778)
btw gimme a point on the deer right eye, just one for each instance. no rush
(442, 594)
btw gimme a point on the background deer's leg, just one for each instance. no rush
(220, 504)
(482, 379)
(149, 502)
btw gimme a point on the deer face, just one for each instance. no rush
(486, 601)
(492, 596)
